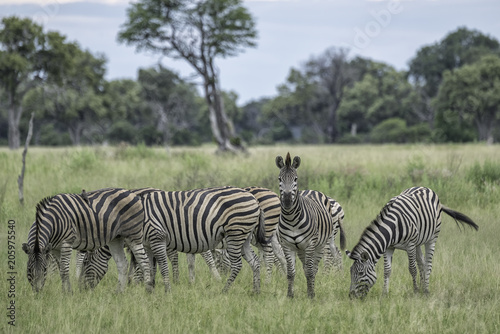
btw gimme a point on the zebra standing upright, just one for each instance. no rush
(197, 220)
(71, 221)
(332, 257)
(406, 222)
(305, 224)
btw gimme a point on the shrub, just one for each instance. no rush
(392, 130)
(488, 173)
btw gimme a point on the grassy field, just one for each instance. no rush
(465, 282)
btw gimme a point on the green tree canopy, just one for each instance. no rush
(470, 95)
(28, 56)
(197, 31)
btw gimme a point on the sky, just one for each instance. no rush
(290, 33)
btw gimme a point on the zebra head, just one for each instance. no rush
(38, 260)
(363, 274)
(94, 267)
(288, 180)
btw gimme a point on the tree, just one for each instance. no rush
(74, 99)
(197, 31)
(27, 57)
(458, 48)
(383, 93)
(333, 72)
(471, 95)
(173, 102)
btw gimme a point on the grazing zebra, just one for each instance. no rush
(305, 224)
(94, 265)
(72, 221)
(332, 257)
(197, 220)
(408, 221)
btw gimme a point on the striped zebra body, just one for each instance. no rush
(332, 256)
(196, 221)
(72, 221)
(271, 252)
(305, 224)
(406, 222)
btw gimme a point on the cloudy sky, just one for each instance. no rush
(290, 32)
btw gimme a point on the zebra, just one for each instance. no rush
(70, 221)
(406, 222)
(332, 257)
(94, 268)
(271, 252)
(196, 221)
(305, 225)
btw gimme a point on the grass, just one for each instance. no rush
(465, 282)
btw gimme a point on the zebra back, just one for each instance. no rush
(269, 203)
(197, 220)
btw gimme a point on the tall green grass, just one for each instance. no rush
(465, 282)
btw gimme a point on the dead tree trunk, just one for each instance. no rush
(20, 178)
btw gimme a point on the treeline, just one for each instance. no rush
(451, 93)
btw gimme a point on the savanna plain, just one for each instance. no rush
(464, 285)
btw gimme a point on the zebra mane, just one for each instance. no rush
(374, 225)
(288, 160)
(42, 205)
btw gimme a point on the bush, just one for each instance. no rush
(481, 176)
(122, 131)
(50, 136)
(392, 130)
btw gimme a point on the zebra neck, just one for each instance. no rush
(292, 216)
(375, 240)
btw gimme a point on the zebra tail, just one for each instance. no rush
(459, 217)
(261, 230)
(342, 235)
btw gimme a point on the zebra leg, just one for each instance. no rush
(234, 250)
(336, 255)
(267, 253)
(310, 262)
(144, 262)
(159, 249)
(174, 260)
(253, 261)
(278, 253)
(64, 256)
(429, 253)
(118, 254)
(387, 269)
(223, 263)
(421, 265)
(79, 263)
(412, 266)
(290, 270)
(209, 260)
(132, 269)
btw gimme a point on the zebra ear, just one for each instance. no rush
(364, 256)
(349, 254)
(279, 161)
(26, 248)
(296, 162)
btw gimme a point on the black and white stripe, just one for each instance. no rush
(197, 221)
(305, 224)
(406, 222)
(332, 257)
(85, 222)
